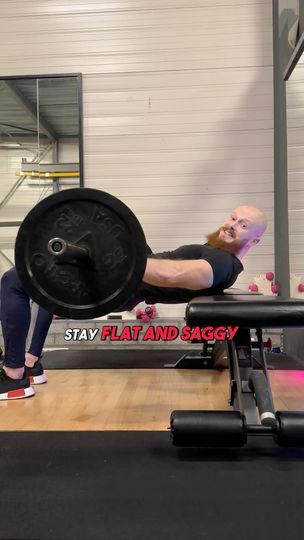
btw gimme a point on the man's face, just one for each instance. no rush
(241, 228)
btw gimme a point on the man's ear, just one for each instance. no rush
(254, 241)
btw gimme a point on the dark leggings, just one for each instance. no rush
(16, 319)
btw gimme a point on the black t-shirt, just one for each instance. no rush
(226, 268)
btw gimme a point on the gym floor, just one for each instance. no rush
(90, 457)
(131, 399)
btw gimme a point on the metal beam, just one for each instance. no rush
(295, 57)
(10, 223)
(301, 17)
(21, 179)
(282, 21)
(300, 44)
(30, 110)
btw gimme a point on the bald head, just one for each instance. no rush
(241, 231)
(256, 216)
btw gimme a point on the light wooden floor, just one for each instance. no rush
(131, 399)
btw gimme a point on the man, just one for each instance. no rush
(170, 277)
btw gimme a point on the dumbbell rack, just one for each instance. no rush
(252, 403)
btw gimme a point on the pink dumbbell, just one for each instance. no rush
(253, 287)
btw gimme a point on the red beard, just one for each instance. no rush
(215, 241)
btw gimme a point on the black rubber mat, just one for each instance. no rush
(135, 358)
(279, 361)
(109, 359)
(137, 486)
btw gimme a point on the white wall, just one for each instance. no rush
(177, 100)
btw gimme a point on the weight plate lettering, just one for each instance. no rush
(87, 287)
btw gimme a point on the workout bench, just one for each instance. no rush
(65, 268)
(250, 392)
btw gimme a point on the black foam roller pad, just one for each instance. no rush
(290, 428)
(208, 428)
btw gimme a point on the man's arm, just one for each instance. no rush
(194, 274)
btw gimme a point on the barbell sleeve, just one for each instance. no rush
(60, 248)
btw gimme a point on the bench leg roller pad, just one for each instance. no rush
(290, 428)
(208, 428)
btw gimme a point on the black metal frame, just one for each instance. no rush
(295, 57)
(200, 359)
(77, 76)
(246, 393)
(252, 411)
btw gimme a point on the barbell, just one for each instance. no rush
(80, 253)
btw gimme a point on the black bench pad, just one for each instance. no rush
(245, 310)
